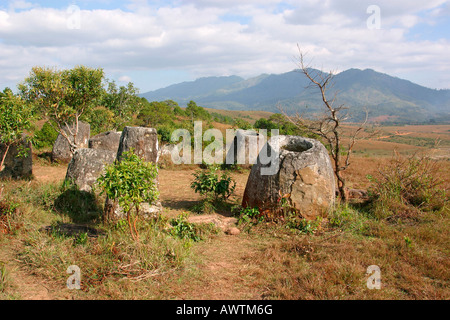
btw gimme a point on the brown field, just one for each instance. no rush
(250, 116)
(266, 262)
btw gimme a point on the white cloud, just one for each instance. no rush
(125, 79)
(191, 37)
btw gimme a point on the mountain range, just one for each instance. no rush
(387, 98)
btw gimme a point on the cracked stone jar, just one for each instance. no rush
(300, 172)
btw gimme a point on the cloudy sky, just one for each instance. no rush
(157, 43)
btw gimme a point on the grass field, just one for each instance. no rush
(39, 240)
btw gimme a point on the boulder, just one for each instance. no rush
(61, 148)
(18, 162)
(303, 172)
(144, 142)
(87, 165)
(106, 141)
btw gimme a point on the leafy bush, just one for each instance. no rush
(183, 229)
(250, 216)
(131, 182)
(406, 186)
(210, 185)
(45, 137)
(303, 225)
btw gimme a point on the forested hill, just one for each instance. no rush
(386, 97)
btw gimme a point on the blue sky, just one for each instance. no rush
(157, 43)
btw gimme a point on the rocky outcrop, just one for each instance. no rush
(18, 162)
(61, 149)
(106, 141)
(303, 172)
(87, 165)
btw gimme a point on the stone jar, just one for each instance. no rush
(301, 170)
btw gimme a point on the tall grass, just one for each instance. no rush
(406, 187)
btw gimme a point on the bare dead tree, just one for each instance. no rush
(328, 124)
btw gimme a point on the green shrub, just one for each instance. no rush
(183, 229)
(302, 225)
(249, 216)
(211, 186)
(131, 182)
(45, 137)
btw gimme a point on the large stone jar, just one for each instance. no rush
(300, 168)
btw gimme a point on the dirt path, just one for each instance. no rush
(221, 272)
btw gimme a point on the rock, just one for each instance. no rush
(61, 148)
(18, 162)
(233, 231)
(245, 148)
(300, 168)
(357, 193)
(106, 141)
(167, 149)
(144, 142)
(87, 165)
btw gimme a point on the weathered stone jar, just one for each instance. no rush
(87, 165)
(303, 171)
(61, 148)
(18, 163)
(106, 141)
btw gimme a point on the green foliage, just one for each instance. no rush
(249, 216)
(123, 101)
(217, 117)
(154, 113)
(131, 181)
(45, 137)
(14, 120)
(63, 96)
(210, 185)
(196, 112)
(182, 229)
(81, 238)
(285, 127)
(242, 124)
(303, 225)
(101, 119)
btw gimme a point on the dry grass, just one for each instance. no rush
(269, 261)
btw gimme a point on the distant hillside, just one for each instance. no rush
(385, 97)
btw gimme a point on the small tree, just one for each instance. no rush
(328, 125)
(131, 182)
(64, 96)
(214, 189)
(15, 116)
(123, 101)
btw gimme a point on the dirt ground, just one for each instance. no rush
(220, 260)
